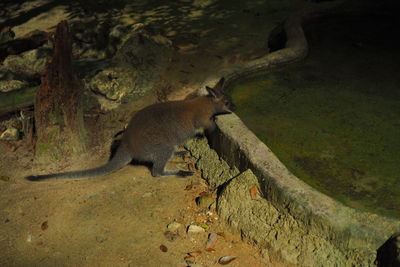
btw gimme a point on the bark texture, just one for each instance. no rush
(58, 103)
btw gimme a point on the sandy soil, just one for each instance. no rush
(115, 220)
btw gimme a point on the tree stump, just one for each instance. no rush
(58, 104)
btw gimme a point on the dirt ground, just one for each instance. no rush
(115, 220)
(121, 219)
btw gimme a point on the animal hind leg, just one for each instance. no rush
(158, 168)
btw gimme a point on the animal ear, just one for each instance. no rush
(220, 84)
(212, 91)
(217, 90)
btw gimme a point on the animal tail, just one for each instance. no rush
(122, 157)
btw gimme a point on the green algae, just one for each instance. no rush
(334, 119)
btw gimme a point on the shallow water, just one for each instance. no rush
(334, 118)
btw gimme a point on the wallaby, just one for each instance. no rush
(156, 131)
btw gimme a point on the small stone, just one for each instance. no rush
(212, 238)
(194, 229)
(206, 200)
(29, 238)
(174, 226)
(149, 194)
(189, 262)
(11, 134)
(226, 259)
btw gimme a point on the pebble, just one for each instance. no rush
(195, 229)
(174, 226)
(29, 238)
(226, 259)
(11, 134)
(189, 262)
(147, 194)
(212, 238)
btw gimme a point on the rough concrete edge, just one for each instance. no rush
(259, 220)
(347, 228)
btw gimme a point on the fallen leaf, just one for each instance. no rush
(44, 225)
(254, 192)
(210, 249)
(204, 226)
(163, 248)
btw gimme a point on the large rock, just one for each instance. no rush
(30, 63)
(23, 70)
(136, 67)
(10, 82)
